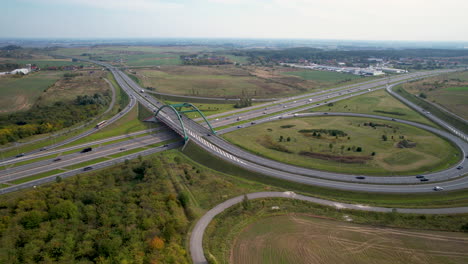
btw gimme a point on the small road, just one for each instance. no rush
(196, 237)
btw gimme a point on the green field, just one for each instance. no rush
(375, 103)
(19, 94)
(323, 76)
(210, 81)
(304, 239)
(449, 91)
(283, 141)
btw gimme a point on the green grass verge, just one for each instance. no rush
(462, 126)
(86, 163)
(37, 176)
(424, 200)
(282, 140)
(375, 103)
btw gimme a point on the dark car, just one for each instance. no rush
(459, 167)
(87, 168)
(360, 177)
(166, 145)
(57, 159)
(86, 150)
(420, 176)
(20, 155)
(424, 179)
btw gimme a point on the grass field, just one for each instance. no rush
(422, 200)
(69, 88)
(211, 81)
(304, 239)
(207, 109)
(448, 90)
(323, 76)
(339, 153)
(375, 103)
(19, 94)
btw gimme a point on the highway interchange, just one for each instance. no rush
(273, 110)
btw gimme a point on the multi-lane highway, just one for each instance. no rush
(222, 149)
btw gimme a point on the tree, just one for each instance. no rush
(281, 139)
(156, 243)
(358, 149)
(246, 203)
(384, 137)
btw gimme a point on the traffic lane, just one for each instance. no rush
(101, 165)
(75, 158)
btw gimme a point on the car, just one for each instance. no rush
(86, 150)
(360, 177)
(285, 106)
(165, 145)
(208, 134)
(438, 188)
(325, 113)
(424, 179)
(239, 126)
(459, 167)
(57, 159)
(393, 119)
(264, 112)
(87, 168)
(420, 176)
(253, 123)
(42, 149)
(20, 155)
(121, 148)
(318, 104)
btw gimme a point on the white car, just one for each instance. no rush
(438, 188)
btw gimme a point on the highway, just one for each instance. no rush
(196, 236)
(198, 134)
(220, 148)
(79, 157)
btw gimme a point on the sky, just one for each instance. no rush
(412, 20)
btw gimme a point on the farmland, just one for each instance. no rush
(20, 93)
(348, 145)
(304, 239)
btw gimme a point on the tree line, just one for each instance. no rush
(42, 119)
(127, 214)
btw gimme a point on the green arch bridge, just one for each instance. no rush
(180, 109)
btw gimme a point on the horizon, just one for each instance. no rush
(358, 20)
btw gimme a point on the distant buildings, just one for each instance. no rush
(370, 71)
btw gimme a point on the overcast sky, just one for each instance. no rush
(420, 20)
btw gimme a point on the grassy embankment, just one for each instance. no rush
(450, 91)
(332, 144)
(463, 126)
(425, 200)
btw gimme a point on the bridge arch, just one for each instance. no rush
(178, 110)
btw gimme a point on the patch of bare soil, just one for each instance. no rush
(344, 159)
